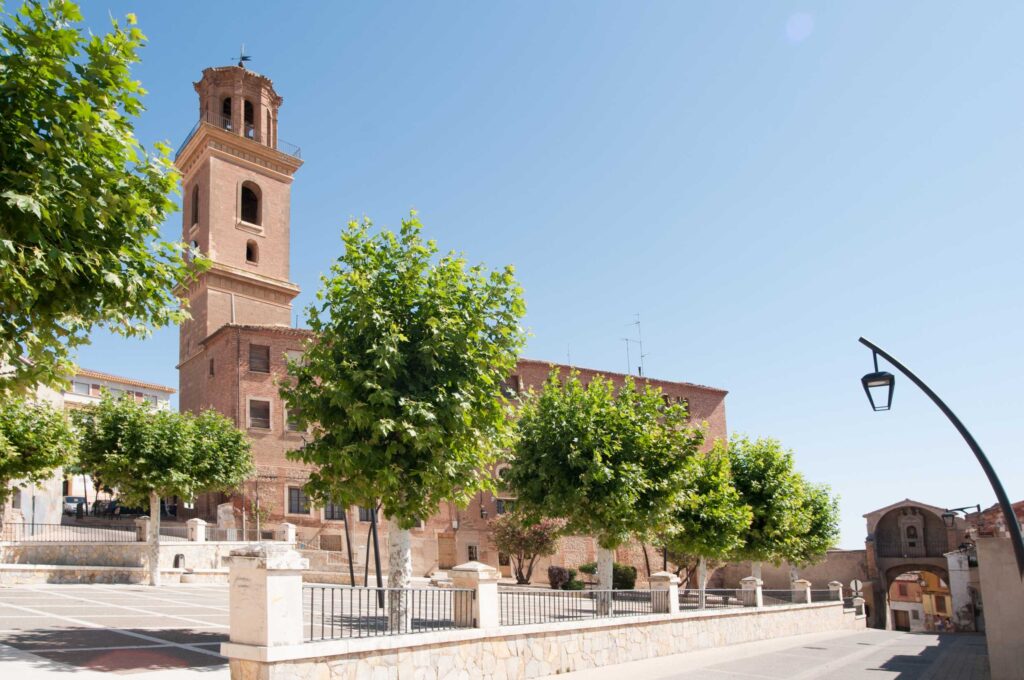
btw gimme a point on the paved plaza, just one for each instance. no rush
(859, 655)
(175, 631)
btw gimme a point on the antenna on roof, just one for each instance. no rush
(640, 342)
(243, 57)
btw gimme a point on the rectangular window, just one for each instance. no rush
(259, 358)
(259, 414)
(474, 553)
(152, 400)
(291, 421)
(914, 614)
(294, 356)
(365, 514)
(80, 388)
(501, 506)
(902, 588)
(503, 560)
(298, 504)
(211, 368)
(940, 604)
(510, 386)
(334, 512)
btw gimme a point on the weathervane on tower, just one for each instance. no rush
(243, 57)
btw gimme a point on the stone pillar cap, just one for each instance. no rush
(196, 520)
(270, 556)
(751, 580)
(835, 584)
(802, 582)
(481, 570)
(665, 576)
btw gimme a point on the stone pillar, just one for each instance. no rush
(286, 533)
(142, 529)
(196, 529)
(265, 595)
(664, 593)
(836, 590)
(858, 606)
(482, 610)
(751, 591)
(801, 591)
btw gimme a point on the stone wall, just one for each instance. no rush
(532, 651)
(196, 555)
(838, 565)
(1003, 595)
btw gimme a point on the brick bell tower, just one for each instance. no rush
(236, 185)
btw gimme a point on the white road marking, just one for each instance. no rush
(129, 633)
(143, 611)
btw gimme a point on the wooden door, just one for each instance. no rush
(902, 620)
(446, 551)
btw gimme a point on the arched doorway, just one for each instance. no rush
(918, 599)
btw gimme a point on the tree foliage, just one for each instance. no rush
(711, 518)
(611, 463)
(81, 201)
(764, 475)
(822, 531)
(35, 441)
(138, 451)
(524, 543)
(401, 386)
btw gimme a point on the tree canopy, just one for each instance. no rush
(81, 201)
(822, 531)
(711, 518)
(611, 462)
(141, 451)
(35, 441)
(401, 386)
(524, 543)
(764, 475)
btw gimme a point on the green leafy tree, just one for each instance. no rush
(711, 520)
(822, 534)
(611, 463)
(524, 543)
(147, 454)
(764, 475)
(401, 386)
(81, 201)
(35, 441)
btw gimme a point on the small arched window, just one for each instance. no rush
(195, 205)
(225, 112)
(250, 119)
(252, 252)
(251, 203)
(911, 532)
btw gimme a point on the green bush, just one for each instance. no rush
(623, 575)
(574, 584)
(559, 576)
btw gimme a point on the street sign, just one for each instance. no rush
(855, 585)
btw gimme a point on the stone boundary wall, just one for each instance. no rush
(207, 555)
(532, 651)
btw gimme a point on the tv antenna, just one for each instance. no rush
(243, 57)
(639, 341)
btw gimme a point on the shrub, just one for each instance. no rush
(623, 575)
(574, 584)
(558, 577)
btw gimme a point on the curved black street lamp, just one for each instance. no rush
(950, 515)
(880, 382)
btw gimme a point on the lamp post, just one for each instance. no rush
(949, 516)
(878, 381)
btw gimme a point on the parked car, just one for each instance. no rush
(71, 504)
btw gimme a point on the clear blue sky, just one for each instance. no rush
(762, 182)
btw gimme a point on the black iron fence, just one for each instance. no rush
(721, 598)
(31, 532)
(774, 598)
(173, 534)
(336, 612)
(824, 595)
(521, 606)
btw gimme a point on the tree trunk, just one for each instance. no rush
(702, 581)
(794, 574)
(605, 560)
(755, 569)
(647, 561)
(399, 577)
(154, 539)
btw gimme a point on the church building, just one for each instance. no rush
(236, 184)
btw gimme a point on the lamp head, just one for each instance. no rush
(879, 388)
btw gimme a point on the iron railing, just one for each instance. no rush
(521, 606)
(930, 547)
(172, 534)
(824, 595)
(336, 612)
(774, 598)
(722, 598)
(30, 532)
(224, 123)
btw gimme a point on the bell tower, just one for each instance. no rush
(236, 186)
